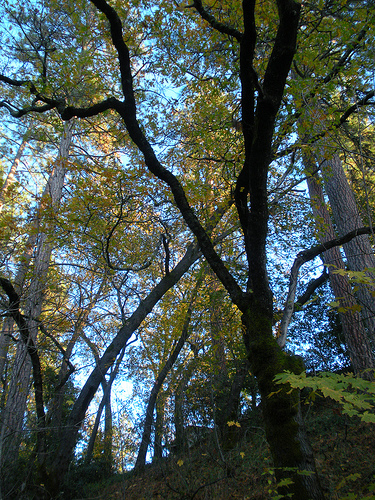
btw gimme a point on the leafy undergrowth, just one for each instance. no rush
(343, 447)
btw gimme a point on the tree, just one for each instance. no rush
(260, 68)
(13, 414)
(355, 334)
(322, 146)
(141, 458)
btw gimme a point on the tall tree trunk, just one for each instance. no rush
(356, 338)
(159, 427)
(358, 252)
(108, 432)
(286, 435)
(20, 377)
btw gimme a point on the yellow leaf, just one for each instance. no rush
(231, 423)
(180, 463)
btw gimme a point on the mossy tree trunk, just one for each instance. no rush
(292, 455)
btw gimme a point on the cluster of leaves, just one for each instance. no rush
(355, 395)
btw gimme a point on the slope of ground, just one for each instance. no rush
(343, 447)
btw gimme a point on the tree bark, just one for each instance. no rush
(356, 338)
(358, 252)
(20, 378)
(286, 435)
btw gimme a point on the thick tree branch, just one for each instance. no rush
(66, 112)
(19, 113)
(18, 83)
(214, 23)
(69, 112)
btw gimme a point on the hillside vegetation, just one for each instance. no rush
(343, 449)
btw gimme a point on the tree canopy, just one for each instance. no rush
(175, 178)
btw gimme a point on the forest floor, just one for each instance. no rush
(344, 450)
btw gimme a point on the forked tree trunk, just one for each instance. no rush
(260, 101)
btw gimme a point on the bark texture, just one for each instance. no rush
(354, 332)
(13, 415)
(359, 253)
